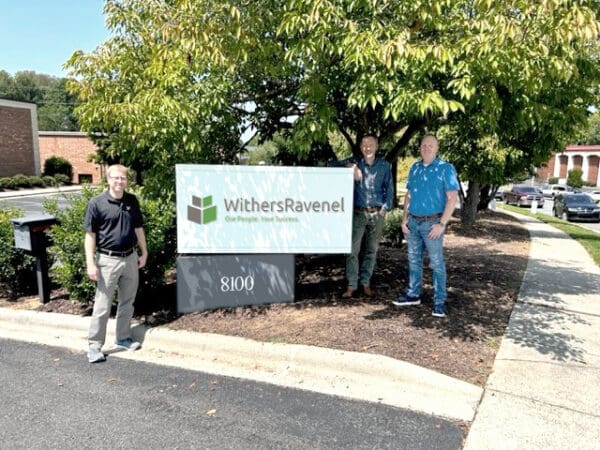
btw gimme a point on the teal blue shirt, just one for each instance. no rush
(428, 186)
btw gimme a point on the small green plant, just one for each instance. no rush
(574, 178)
(62, 179)
(392, 228)
(17, 268)
(70, 269)
(35, 181)
(553, 180)
(21, 181)
(58, 165)
(6, 183)
(48, 181)
(160, 231)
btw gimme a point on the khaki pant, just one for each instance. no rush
(120, 275)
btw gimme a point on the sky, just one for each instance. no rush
(40, 35)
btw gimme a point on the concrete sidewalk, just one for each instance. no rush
(544, 390)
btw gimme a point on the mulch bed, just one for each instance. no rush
(485, 266)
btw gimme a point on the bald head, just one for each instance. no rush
(429, 148)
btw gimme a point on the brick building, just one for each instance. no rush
(76, 147)
(584, 157)
(19, 150)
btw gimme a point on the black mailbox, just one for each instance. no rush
(30, 232)
(30, 235)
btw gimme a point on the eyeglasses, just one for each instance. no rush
(119, 178)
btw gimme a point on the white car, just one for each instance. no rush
(552, 189)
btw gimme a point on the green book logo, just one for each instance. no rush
(202, 211)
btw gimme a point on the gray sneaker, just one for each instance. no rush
(128, 344)
(95, 355)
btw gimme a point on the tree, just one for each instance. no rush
(55, 110)
(179, 81)
(55, 104)
(591, 133)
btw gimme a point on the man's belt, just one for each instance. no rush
(122, 254)
(426, 218)
(368, 209)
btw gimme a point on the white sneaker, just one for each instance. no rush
(95, 355)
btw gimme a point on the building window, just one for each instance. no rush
(84, 178)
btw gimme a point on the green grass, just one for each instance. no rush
(589, 239)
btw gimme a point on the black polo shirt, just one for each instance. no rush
(113, 220)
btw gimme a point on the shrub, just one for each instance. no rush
(48, 180)
(61, 179)
(392, 228)
(553, 180)
(6, 183)
(17, 268)
(58, 165)
(70, 270)
(160, 230)
(35, 181)
(574, 177)
(21, 181)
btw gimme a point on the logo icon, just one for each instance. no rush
(202, 211)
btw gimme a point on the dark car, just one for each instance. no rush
(524, 195)
(576, 207)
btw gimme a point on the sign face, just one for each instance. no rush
(264, 209)
(220, 281)
(22, 237)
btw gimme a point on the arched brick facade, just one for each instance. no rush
(584, 157)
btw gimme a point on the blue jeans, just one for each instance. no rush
(369, 226)
(417, 241)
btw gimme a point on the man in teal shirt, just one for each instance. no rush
(432, 192)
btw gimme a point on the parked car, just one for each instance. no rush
(576, 207)
(595, 195)
(524, 195)
(551, 190)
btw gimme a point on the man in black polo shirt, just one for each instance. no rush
(113, 229)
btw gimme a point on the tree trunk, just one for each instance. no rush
(395, 180)
(486, 194)
(468, 212)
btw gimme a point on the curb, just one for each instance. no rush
(353, 375)
(35, 192)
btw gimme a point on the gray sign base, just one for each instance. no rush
(219, 281)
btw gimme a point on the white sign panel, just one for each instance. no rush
(263, 209)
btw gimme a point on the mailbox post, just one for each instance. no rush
(29, 233)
